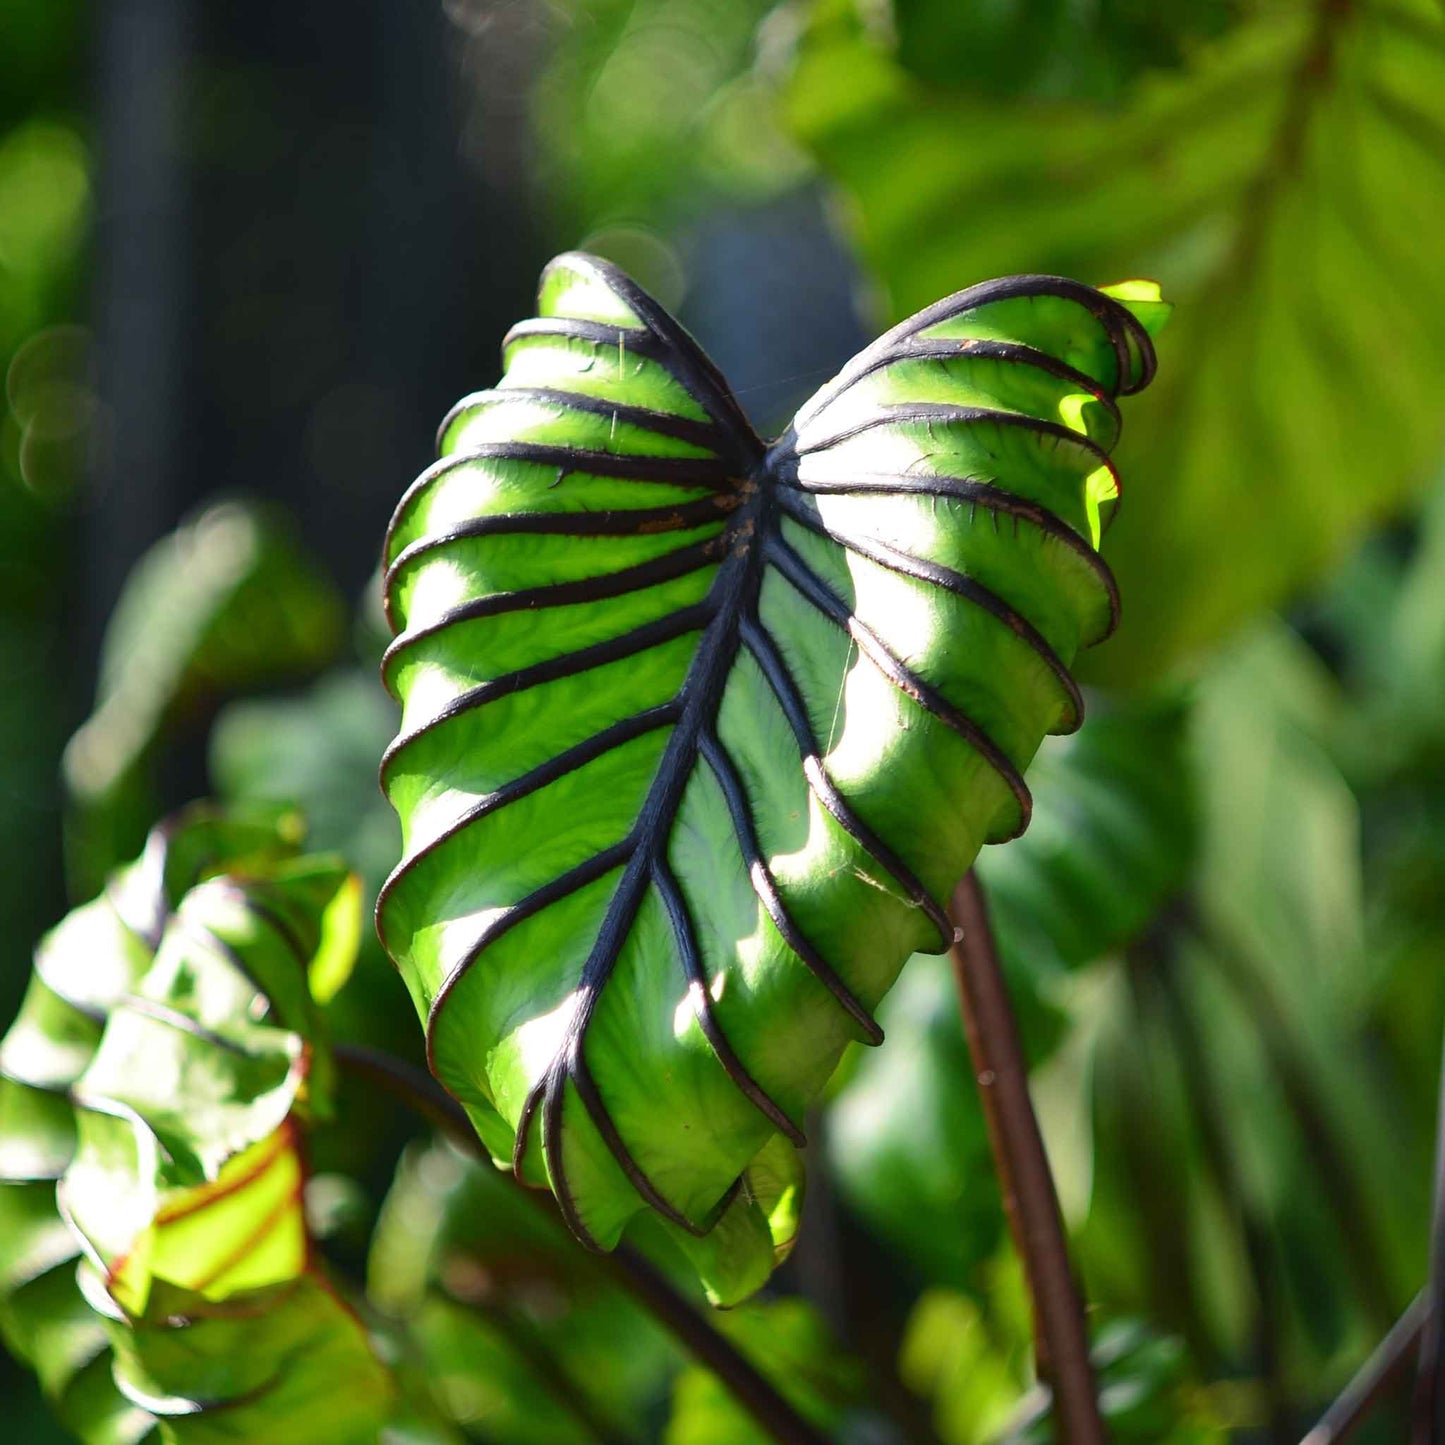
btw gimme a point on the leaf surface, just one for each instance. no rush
(157, 1266)
(83, 968)
(697, 731)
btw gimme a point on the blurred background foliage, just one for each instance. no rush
(249, 254)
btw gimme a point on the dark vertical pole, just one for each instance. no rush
(143, 264)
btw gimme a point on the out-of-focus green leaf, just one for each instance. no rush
(499, 1382)
(790, 1344)
(318, 752)
(82, 971)
(1386, 615)
(1031, 49)
(973, 1361)
(1246, 1128)
(1112, 837)
(1114, 833)
(44, 208)
(1383, 626)
(188, 1169)
(168, 1053)
(39, 64)
(646, 108)
(1281, 890)
(950, 1357)
(448, 1217)
(1282, 187)
(186, 1188)
(226, 603)
(1280, 871)
(1145, 1395)
(524, 1339)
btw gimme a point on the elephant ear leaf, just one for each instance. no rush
(696, 731)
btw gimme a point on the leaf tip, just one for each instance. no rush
(1145, 302)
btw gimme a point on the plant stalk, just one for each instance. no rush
(628, 1269)
(1385, 1369)
(1030, 1202)
(1429, 1407)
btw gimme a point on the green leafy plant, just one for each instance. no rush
(699, 732)
(696, 732)
(82, 971)
(158, 1264)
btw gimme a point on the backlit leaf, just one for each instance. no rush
(167, 1058)
(82, 971)
(697, 731)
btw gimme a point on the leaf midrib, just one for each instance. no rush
(733, 590)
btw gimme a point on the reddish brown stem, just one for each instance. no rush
(1030, 1203)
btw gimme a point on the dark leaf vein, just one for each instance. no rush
(904, 679)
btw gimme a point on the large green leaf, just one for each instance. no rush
(1282, 187)
(696, 731)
